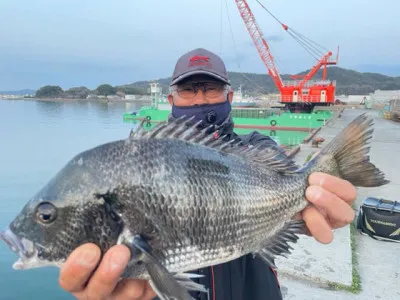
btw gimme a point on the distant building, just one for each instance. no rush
(378, 96)
(114, 97)
(385, 95)
(130, 97)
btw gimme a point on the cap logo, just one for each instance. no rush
(198, 60)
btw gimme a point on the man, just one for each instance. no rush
(200, 88)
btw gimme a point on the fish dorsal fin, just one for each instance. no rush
(176, 129)
(272, 157)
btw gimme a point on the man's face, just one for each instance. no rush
(199, 89)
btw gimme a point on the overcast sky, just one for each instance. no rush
(73, 43)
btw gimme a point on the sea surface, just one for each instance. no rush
(37, 138)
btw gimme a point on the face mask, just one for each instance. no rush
(210, 114)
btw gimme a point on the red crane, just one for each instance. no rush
(301, 92)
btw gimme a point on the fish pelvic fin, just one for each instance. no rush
(271, 157)
(278, 245)
(166, 285)
(347, 155)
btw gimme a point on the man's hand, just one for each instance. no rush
(332, 198)
(104, 282)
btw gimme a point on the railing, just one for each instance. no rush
(310, 83)
(302, 98)
(252, 113)
(294, 99)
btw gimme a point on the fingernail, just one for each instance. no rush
(88, 258)
(117, 261)
(314, 192)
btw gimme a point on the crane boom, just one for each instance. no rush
(293, 94)
(259, 41)
(322, 62)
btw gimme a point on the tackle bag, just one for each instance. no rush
(380, 219)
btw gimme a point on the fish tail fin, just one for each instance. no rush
(347, 155)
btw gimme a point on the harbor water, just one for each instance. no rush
(37, 139)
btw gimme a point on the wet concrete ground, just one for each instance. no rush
(304, 276)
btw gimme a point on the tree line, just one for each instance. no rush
(82, 92)
(348, 82)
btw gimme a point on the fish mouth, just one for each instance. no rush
(24, 248)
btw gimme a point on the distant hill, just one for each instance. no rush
(391, 70)
(347, 81)
(20, 92)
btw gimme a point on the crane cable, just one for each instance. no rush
(271, 50)
(234, 48)
(313, 48)
(220, 36)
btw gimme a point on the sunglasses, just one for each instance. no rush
(189, 90)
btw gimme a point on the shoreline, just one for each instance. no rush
(71, 100)
(147, 102)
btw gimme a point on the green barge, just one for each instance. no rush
(285, 127)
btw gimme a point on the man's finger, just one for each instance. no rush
(342, 188)
(106, 277)
(133, 289)
(338, 211)
(317, 225)
(79, 266)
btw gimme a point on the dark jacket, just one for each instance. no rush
(248, 277)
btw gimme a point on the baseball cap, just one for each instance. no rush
(199, 61)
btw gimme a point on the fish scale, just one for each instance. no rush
(239, 223)
(181, 199)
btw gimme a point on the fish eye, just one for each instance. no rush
(46, 212)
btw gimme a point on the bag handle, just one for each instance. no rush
(379, 203)
(381, 200)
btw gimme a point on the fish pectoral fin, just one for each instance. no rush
(166, 285)
(279, 243)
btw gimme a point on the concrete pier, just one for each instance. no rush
(313, 268)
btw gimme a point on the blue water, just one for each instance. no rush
(36, 140)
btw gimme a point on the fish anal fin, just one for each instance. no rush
(278, 245)
(166, 285)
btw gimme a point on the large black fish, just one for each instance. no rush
(181, 200)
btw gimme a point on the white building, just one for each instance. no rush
(130, 97)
